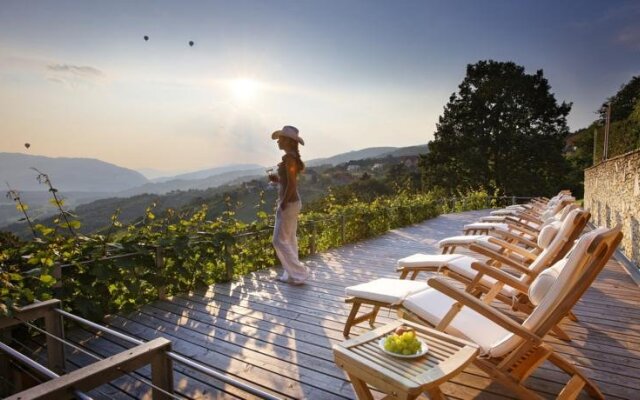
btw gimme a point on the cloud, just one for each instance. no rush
(83, 71)
(74, 75)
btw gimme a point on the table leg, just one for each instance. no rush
(360, 387)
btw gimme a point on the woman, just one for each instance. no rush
(285, 240)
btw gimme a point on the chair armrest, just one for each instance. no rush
(530, 217)
(516, 249)
(500, 276)
(515, 223)
(517, 238)
(499, 257)
(483, 309)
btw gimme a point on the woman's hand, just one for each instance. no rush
(274, 178)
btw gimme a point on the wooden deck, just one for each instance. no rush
(279, 336)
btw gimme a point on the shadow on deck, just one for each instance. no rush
(280, 337)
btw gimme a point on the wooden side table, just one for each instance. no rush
(400, 378)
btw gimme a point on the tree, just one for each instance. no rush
(502, 130)
(622, 103)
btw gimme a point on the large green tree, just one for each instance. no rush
(503, 130)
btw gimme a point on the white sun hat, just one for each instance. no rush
(288, 131)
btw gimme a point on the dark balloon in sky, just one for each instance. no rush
(27, 145)
(146, 38)
(191, 43)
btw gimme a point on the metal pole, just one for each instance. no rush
(595, 143)
(605, 152)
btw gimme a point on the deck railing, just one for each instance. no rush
(156, 353)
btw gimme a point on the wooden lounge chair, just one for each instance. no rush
(512, 351)
(520, 234)
(390, 293)
(517, 225)
(537, 208)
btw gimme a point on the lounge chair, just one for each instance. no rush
(512, 231)
(491, 282)
(512, 351)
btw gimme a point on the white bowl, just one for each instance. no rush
(423, 349)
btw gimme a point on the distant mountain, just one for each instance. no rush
(219, 179)
(205, 173)
(152, 174)
(189, 189)
(67, 174)
(408, 151)
(370, 152)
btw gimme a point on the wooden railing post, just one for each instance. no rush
(53, 325)
(162, 374)
(55, 348)
(162, 289)
(513, 200)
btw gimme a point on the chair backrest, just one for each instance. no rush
(570, 229)
(561, 215)
(581, 266)
(584, 263)
(557, 207)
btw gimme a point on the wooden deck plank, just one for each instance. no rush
(280, 336)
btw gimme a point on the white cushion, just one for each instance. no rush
(547, 234)
(504, 212)
(487, 225)
(464, 240)
(431, 305)
(386, 290)
(543, 261)
(543, 282)
(427, 260)
(493, 218)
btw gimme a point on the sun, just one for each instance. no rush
(244, 89)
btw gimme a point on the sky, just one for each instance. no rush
(78, 79)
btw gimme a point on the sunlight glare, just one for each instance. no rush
(244, 89)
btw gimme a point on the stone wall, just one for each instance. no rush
(612, 194)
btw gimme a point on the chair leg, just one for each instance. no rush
(572, 316)
(560, 333)
(354, 319)
(571, 369)
(374, 314)
(351, 318)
